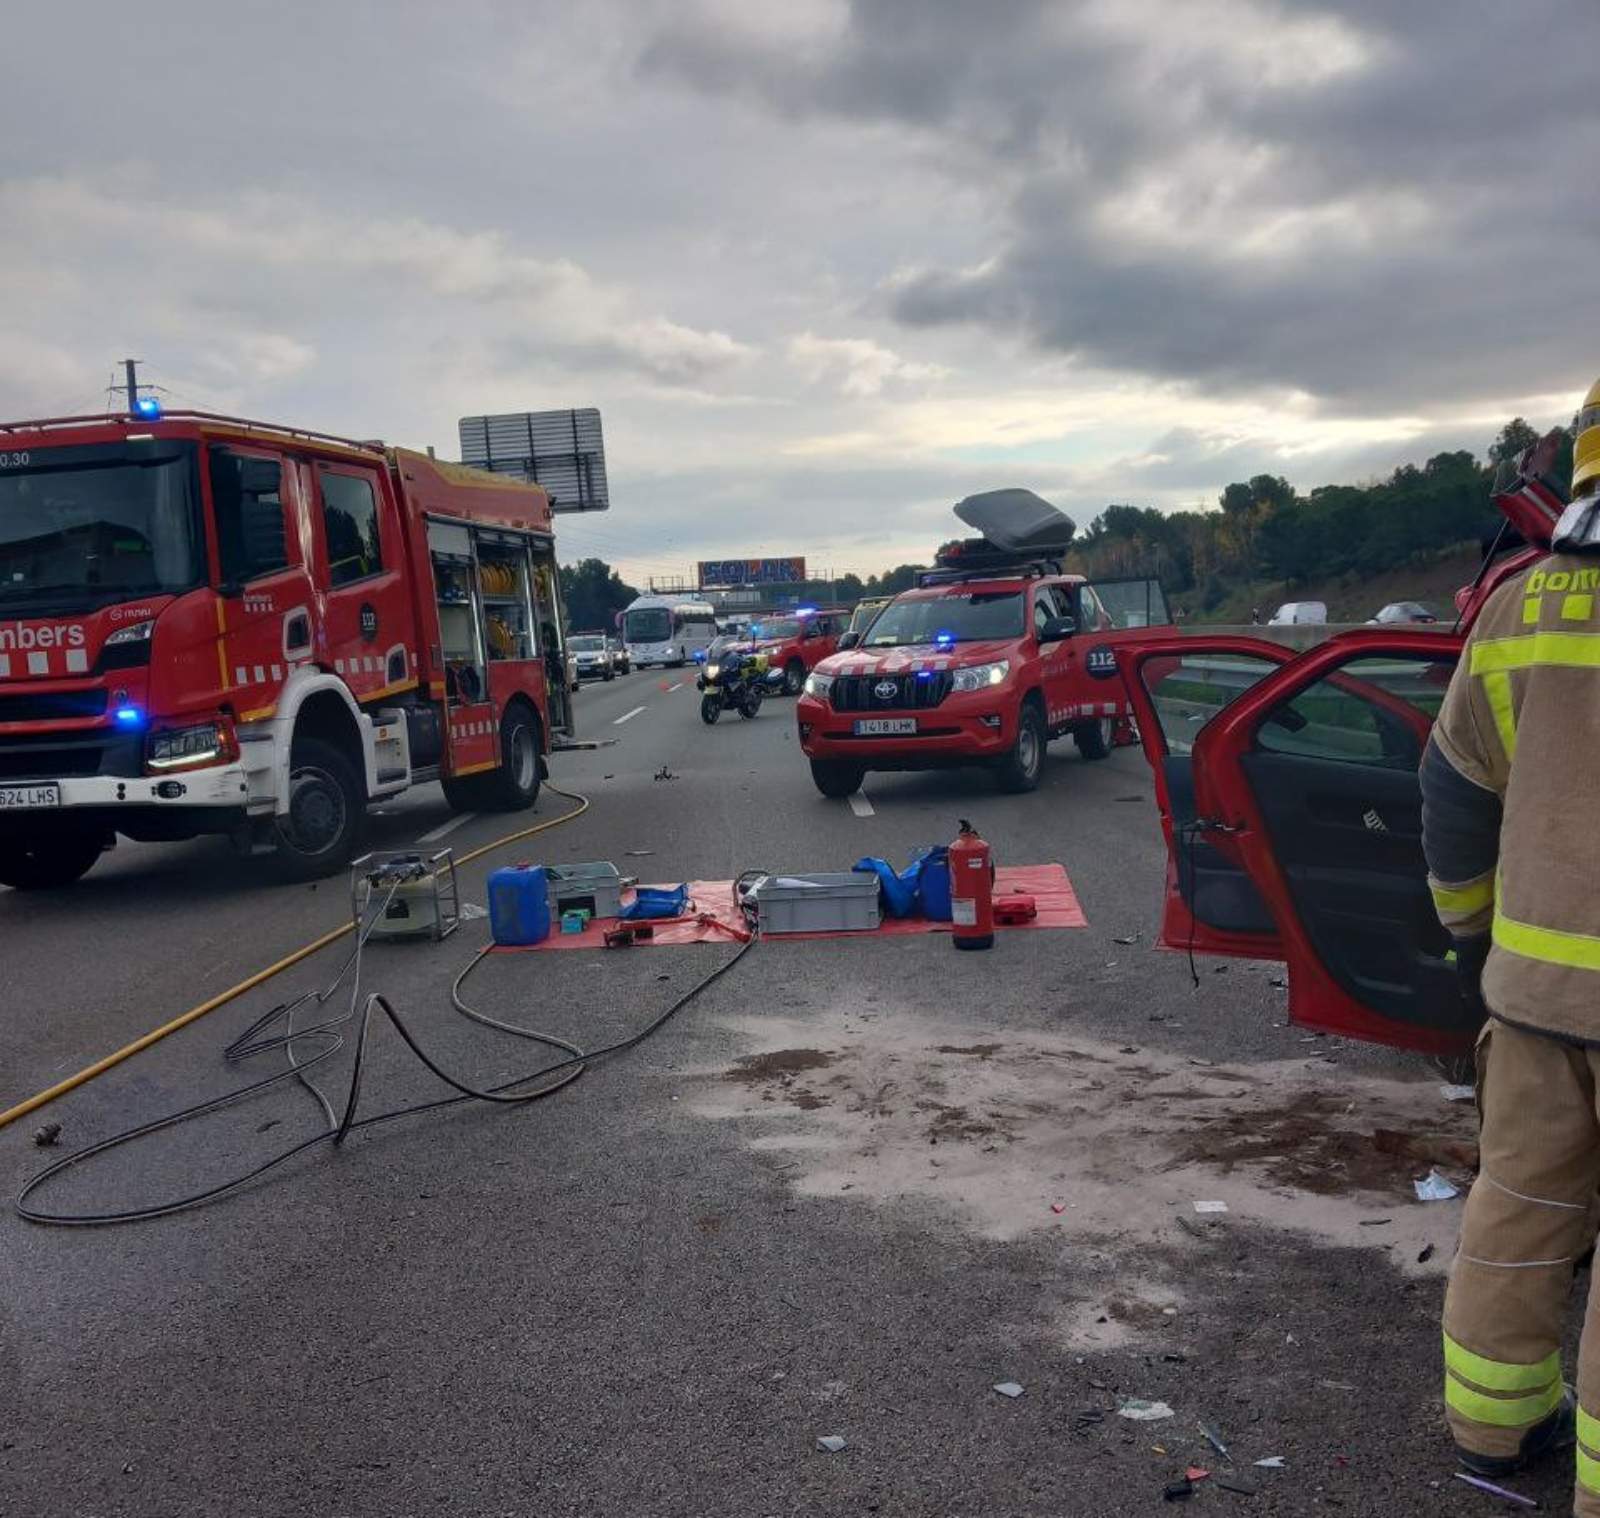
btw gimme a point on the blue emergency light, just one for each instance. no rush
(944, 639)
(148, 407)
(128, 716)
(805, 611)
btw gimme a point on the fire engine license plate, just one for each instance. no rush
(884, 727)
(29, 795)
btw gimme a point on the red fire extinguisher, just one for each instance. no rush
(971, 894)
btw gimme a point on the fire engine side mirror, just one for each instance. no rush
(1056, 628)
(849, 640)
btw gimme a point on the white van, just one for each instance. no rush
(1293, 613)
(666, 630)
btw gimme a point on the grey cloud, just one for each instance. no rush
(1447, 238)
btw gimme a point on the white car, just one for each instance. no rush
(1295, 613)
(594, 656)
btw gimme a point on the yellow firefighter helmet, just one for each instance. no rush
(1586, 444)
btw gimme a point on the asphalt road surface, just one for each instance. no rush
(847, 1190)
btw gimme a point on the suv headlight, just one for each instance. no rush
(191, 747)
(818, 684)
(980, 676)
(128, 647)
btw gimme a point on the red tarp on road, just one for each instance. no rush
(717, 920)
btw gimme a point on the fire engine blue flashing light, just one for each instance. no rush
(924, 674)
(129, 716)
(805, 611)
(148, 407)
(944, 639)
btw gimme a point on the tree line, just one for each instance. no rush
(1265, 530)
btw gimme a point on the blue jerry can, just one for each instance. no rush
(519, 905)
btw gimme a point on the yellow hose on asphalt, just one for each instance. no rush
(305, 951)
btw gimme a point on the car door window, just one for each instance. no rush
(1044, 608)
(350, 520)
(1189, 690)
(1373, 711)
(247, 499)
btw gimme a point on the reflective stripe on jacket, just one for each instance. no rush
(1507, 782)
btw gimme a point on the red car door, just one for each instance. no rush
(1307, 782)
(1176, 686)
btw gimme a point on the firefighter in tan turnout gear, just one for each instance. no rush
(1507, 782)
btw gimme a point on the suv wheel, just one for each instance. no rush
(1019, 770)
(1093, 738)
(837, 778)
(794, 678)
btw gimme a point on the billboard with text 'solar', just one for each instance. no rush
(731, 572)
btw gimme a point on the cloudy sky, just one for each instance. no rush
(824, 266)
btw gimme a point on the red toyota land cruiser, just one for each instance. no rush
(972, 667)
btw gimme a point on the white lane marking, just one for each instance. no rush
(627, 716)
(678, 686)
(447, 827)
(860, 805)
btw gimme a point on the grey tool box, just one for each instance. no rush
(839, 902)
(592, 888)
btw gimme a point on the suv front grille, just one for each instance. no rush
(913, 692)
(52, 706)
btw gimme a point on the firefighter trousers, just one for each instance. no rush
(1530, 1215)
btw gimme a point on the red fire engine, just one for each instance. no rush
(210, 625)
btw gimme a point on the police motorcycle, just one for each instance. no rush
(732, 681)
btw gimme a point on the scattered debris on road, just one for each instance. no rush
(1271, 1463)
(1433, 1187)
(1458, 1093)
(1213, 1439)
(49, 1134)
(1515, 1498)
(830, 1444)
(1141, 1411)
(1008, 1388)
(1210, 1206)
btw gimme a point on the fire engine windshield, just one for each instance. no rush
(965, 616)
(778, 630)
(647, 624)
(82, 527)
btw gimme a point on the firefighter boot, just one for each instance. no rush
(1527, 1220)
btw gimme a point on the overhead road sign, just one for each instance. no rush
(734, 572)
(561, 450)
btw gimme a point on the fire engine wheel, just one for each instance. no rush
(710, 709)
(837, 778)
(318, 834)
(1093, 738)
(794, 677)
(48, 861)
(1019, 770)
(514, 785)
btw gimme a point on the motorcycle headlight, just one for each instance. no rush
(712, 671)
(980, 676)
(191, 747)
(818, 684)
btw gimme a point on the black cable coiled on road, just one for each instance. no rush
(340, 1127)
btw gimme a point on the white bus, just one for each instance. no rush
(666, 630)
